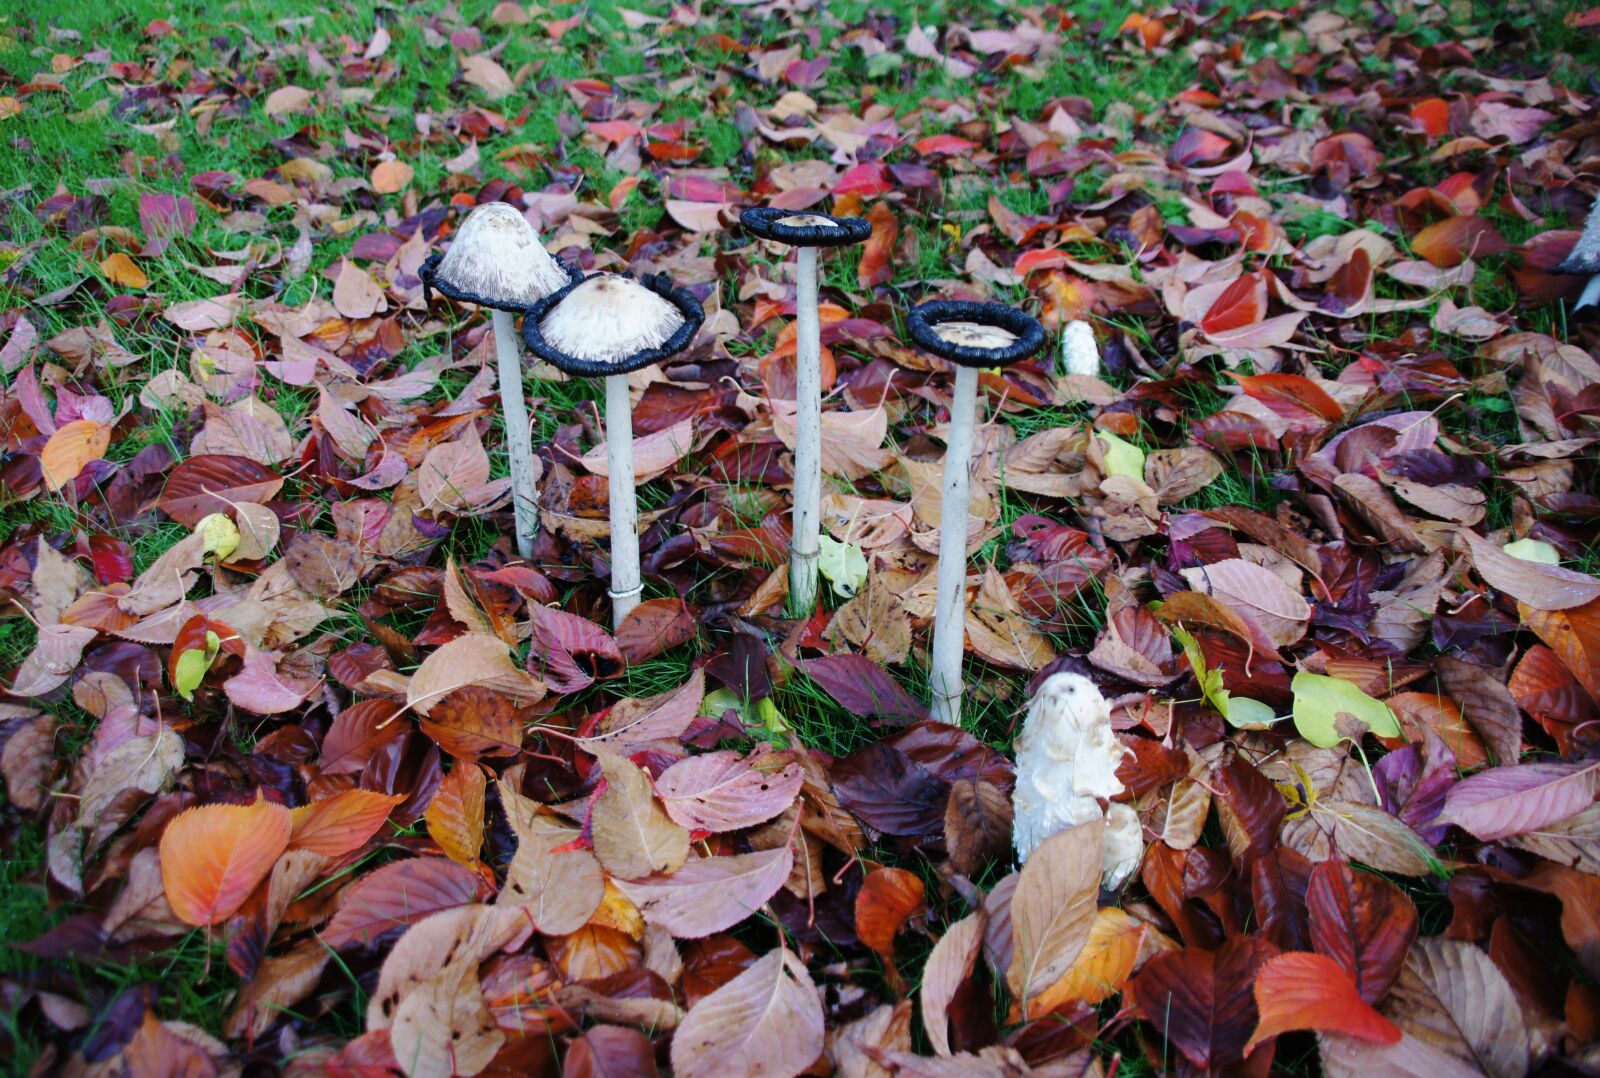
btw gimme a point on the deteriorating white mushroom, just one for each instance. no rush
(1067, 757)
(1123, 848)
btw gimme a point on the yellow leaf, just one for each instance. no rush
(122, 270)
(9, 107)
(70, 448)
(391, 176)
(455, 815)
(1100, 969)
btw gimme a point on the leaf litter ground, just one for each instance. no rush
(305, 772)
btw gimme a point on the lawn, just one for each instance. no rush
(1315, 245)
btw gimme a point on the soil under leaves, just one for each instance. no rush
(306, 772)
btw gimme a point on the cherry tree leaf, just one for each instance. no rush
(710, 894)
(724, 791)
(633, 835)
(213, 856)
(399, 894)
(342, 823)
(1506, 801)
(1302, 990)
(765, 1023)
(1053, 908)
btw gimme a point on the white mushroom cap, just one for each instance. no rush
(608, 318)
(1079, 354)
(496, 255)
(1067, 757)
(1122, 849)
(807, 220)
(974, 335)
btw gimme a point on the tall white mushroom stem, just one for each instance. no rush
(807, 520)
(519, 440)
(625, 582)
(950, 606)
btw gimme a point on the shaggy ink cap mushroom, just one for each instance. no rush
(972, 334)
(609, 323)
(799, 228)
(495, 260)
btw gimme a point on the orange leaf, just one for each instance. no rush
(455, 815)
(1296, 389)
(1433, 116)
(1450, 242)
(70, 448)
(339, 824)
(1242, 303)
(1106, 961)
(888, 896)
(619, 194)
(391, 177)
(213, 856)
(122, 270)
(875, 268)
(1302, 990)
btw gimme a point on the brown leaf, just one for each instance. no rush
(1451, 996)
(977, 824)
(1053, 908)
(1543, 587)
(391, 177)
(633, 835)
(888, 897)
(950, 964)
(766, 1021)
(1487, 704)
(874, 268)
(470, 659)
(455, 815)
(559, 888)
(323, 565)
(652, 627)
(474, 721)
(70, 449)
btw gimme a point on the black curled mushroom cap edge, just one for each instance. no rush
(428, 274)
(923, 321)
(659, 283)
(767, 223)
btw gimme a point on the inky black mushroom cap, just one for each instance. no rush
(428, 273)
(828, 231)
(660, 284)
(924, 320)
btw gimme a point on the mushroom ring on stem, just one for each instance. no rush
(497, 261)
(972, 336)
(605, 326)
(808, 232)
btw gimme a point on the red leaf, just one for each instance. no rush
(866, 179)
(945, 144)
(1242, 303)
(1433, 116)
(1202, 1001)
(399, 894)
(1301, 990)
(357, 732)
(1363, 922)
(1196, 146)
(211, 483)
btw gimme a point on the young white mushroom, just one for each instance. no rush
(1585, 260)
(971, 336)
(1079, 353)
(606, 326)
(497, 261)
(807, 232)
(1067, 759)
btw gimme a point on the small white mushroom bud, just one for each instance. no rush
(1079, 353)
